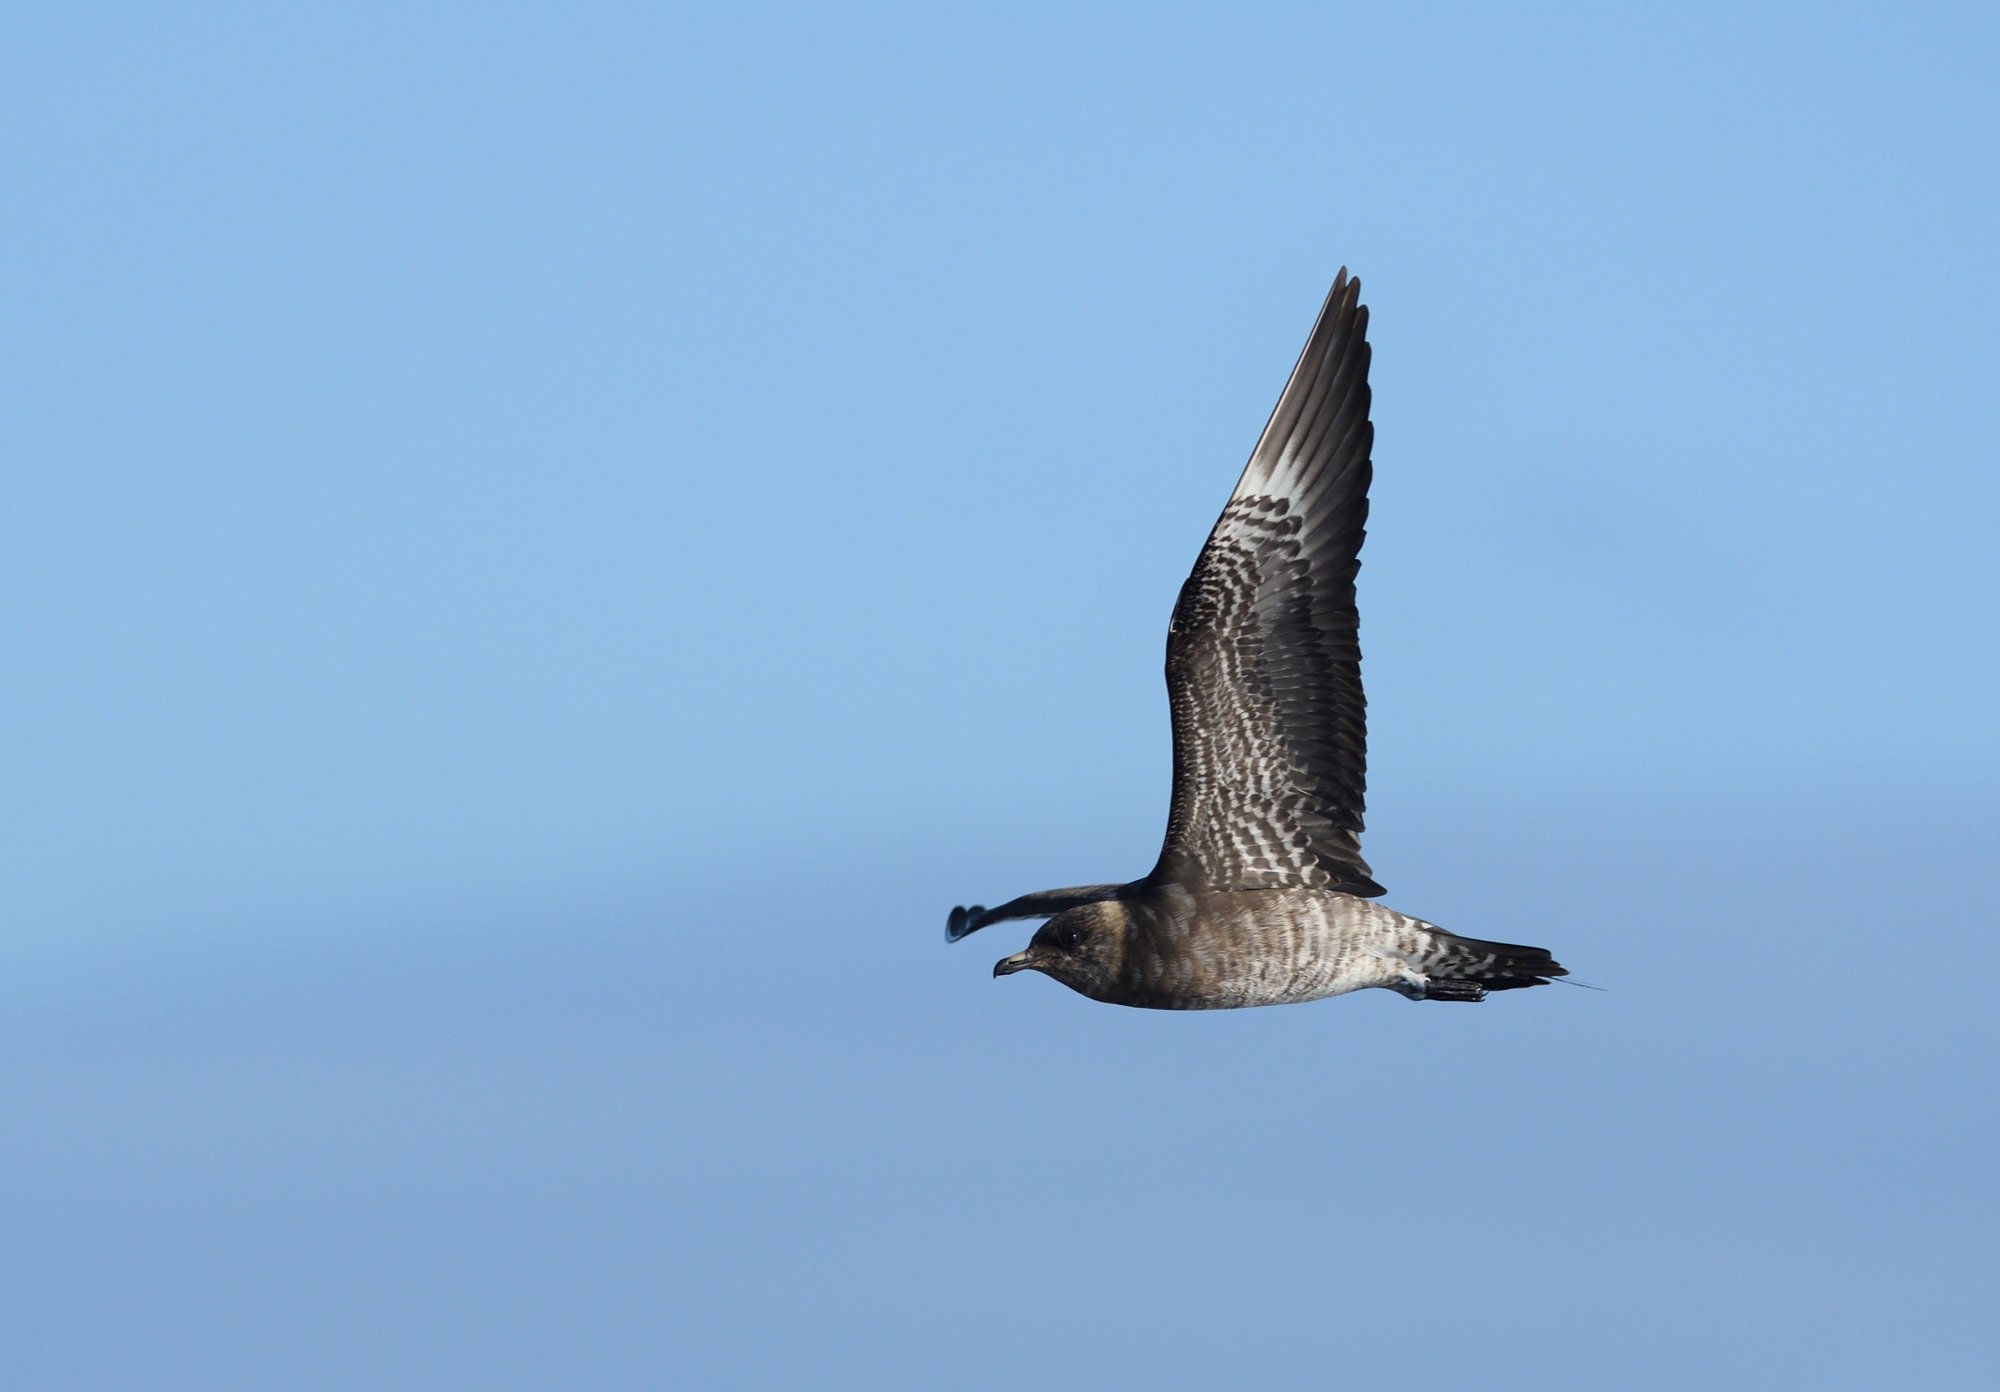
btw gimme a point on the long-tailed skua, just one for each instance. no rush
(1260, 896)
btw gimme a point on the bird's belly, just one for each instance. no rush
(1275, 948)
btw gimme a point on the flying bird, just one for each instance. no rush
(1260, 896)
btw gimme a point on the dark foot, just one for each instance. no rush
(962, 921)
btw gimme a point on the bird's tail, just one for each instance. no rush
(1465, 969)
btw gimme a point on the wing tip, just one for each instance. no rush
(963, 922)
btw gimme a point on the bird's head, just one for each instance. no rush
(1084, 948)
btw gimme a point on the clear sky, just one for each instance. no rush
(543, 549)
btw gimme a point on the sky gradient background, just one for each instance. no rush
(542, 552)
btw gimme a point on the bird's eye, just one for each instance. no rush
(1066, 937)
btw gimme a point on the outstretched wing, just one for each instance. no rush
(1263, 657)
(1046, 903)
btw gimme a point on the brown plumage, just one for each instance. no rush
(1260, 895)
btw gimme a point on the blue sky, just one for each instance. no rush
(541, 552)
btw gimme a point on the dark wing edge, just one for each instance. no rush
(1264, 656)
(1045, 903)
